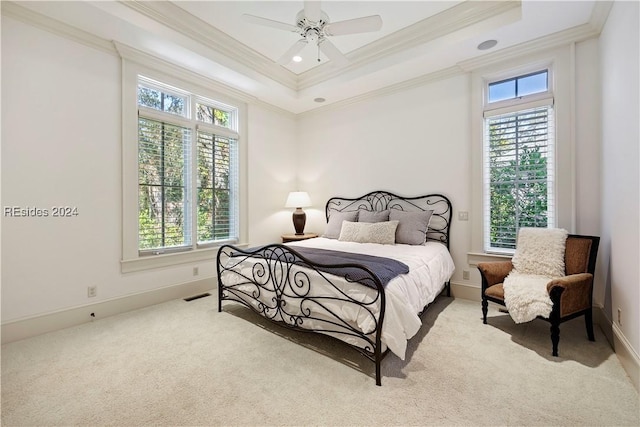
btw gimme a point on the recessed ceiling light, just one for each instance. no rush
(297, 58)
(487, 44)
(319, 100)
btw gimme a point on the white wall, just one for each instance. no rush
(61, 114)
(272, 157)
(619, 53)
(411, 143)
(587, 153)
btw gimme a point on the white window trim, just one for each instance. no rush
(551, 169)
(131, 259)
(560, 62)
(501, 76)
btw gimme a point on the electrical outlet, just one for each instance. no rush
(92, 291)
(619, 316)
(195, 271)
(463, 216)
(465, 274)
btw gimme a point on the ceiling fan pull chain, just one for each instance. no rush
(318, 51)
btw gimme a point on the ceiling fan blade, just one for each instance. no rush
(270, 23)
(332, 53)
(352, 26)
(297, 47)
(312, 10)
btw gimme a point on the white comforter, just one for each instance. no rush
(430, 266)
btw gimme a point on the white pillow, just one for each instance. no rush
(369, 232)
(540, 251)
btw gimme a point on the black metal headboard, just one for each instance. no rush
(439, 226)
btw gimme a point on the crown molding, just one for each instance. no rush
(56, 27)
(387, 90)
(183, 22)
(37, 20)
(446, 22)
(420, 32)
(132, 54)
(599, 14)
(572, 35)
(162, 65)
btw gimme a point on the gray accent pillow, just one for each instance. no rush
(383, 233)
(412, 226)
(375, 216)
(335, 223)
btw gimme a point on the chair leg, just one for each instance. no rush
(555, 338)
(588, 320)
(485, 309)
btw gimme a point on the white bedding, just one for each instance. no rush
(430, 267)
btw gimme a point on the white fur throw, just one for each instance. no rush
(526, 296)
(539, 257)
(540, 251)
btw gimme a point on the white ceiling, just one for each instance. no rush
(272, 43)
(417, 38)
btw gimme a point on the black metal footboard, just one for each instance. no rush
(283, 286)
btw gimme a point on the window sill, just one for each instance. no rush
(167, 260)
(473, 258)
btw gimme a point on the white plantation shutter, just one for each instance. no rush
(163, 176)
(188, 178)
(217, 188)
(518, 174)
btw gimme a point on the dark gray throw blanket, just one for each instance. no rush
(385, 269)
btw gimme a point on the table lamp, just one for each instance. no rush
(298, 200)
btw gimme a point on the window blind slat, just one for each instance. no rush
(163, 159)
(187, 168)
(216, 212)
(518, 163)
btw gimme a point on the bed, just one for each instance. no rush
(382, 261)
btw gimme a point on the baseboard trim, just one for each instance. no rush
(601, 319)
(41, 324)
(628, 357)
(466, 291)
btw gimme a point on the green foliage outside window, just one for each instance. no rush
(164, 170)
(518, 174)
(214, 204)
(161, 182)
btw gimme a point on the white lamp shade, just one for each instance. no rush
(298, 199)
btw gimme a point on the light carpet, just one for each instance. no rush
(183, 363)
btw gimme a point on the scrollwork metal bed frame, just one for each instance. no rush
(280, 284)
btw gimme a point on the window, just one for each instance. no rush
(518, 155)
(187, 170)
(518, 86)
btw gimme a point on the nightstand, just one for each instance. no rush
(297, 237)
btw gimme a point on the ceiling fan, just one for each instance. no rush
(313, 25)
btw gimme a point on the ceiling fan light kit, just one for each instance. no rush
(313, 25)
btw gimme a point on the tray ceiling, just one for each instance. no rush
(417, 39)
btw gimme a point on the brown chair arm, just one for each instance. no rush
(577, 292)
(494, 272)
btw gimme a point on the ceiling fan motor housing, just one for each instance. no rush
(312, 31)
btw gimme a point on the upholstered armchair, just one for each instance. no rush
(571, 295)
